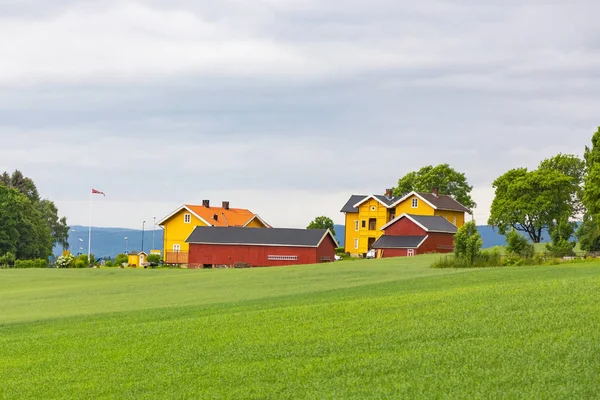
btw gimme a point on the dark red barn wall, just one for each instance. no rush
(387, 253)
(405, 227)
(438, 242)
(201, 254)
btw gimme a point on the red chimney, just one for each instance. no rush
(388, 193)
(206, 203)
(435, 191)
(226, 205)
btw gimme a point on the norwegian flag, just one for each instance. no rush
(94, 191)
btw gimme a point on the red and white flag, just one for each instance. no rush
(94, 191)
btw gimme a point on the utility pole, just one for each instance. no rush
(153, 229)
(143, 223)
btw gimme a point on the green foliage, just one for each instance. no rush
(467, 242)
(518, 245)
(322, 222)
(79, 263)
(445, 178)
(588, 235)
(591, 191)
(530, 201)
(573, 167)
(7, 260)
(37, 263)
(121, 259)
(154, 259)
(561, 234)
(108, 264)
(67, 261)
(306, 332)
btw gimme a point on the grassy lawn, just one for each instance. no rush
(381, 329)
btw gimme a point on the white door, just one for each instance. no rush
(141, 259)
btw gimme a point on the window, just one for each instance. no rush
(356, 225)
(282, 258)
(176, 248)
(187, 218)
(364, 223)
(372, 224)
(454, 220)
(415, 203)
(410, 252)
(373, 208)
(356, 243)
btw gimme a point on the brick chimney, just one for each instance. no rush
(206, 203)
(388, 193)
(435, 191)
(226, 205)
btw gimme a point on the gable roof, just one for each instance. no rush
(356, 200)
(225, 217)
(399, 242)
(430, 223)
(137, 253)
(349, 206)
(257, 237)
(439, 202)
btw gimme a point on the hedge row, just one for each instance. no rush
(38, 263)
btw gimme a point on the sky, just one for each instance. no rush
(286, 107)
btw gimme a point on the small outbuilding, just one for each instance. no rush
(136, 258)
(217, 246)
(409, 235)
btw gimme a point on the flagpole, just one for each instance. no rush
(90, 230)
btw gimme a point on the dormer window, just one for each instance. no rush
(415, 203)
(187, 218)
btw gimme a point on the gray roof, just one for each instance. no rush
(398, 242)
(444, 202)
(434, 223)
(355, 198)
(257, 236)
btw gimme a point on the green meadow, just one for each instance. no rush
(373, 329)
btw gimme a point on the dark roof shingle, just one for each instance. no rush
(398, 242)
(434, 223)
(257, 236)
(444, 202)
(349, 206)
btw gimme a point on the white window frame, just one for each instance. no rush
(282, 258)
(415, 203)
(176, 248)
(373, 208)
(454, 220)
(356, 243)
(187, 218)
(356, 224)
(410, 252)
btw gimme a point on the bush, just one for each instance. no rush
(518, 245)
(37, 263)
(154, 259)
(7, 260)
(120, 260)
(65, 261)
(108, 264)
(467, 243)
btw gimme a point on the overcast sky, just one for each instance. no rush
(286, 107)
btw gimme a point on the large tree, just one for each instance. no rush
(58, 228)
(442, 176)
(530, 201)
(573, 167)
(322, 222)
(591, 190)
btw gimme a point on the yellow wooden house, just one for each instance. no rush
(179, 225)
(365, 215)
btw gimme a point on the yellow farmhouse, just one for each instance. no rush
(367, 214)
(180, 223)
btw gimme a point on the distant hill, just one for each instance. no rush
(108, 242)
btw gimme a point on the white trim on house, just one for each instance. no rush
(415, 222)
(371, 196)
(332, 237)
(415, 202)
(183, 207)
(176, 248)
(282, 258)
(410, 252)
(256, 217)
(187, 218)
(356, 243)
(413, 193)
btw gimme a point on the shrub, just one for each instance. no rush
(7, 260)
(65, 261)
(518, 245)
(153, 259)
(467, 242)
(37, 263)
(80, 263)
(121, 259)
(108, 264)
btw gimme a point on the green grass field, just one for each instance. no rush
(377, 329)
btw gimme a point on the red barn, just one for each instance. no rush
(409, 235)
(211, 245)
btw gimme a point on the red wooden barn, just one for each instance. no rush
(409, 235)
(211, 245)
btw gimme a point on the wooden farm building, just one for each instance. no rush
(409, 235)
(210, 246)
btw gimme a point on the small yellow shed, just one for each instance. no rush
(137, 259)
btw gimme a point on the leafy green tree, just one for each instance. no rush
(530, 201)
(573, 167)
(591, 189)
(153, 258)
(468, 242)
(322, 222)
(561, 234)
(588, 235)
(120, 259)
(442, 176)
(518, 244)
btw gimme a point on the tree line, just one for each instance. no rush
(29, 225)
